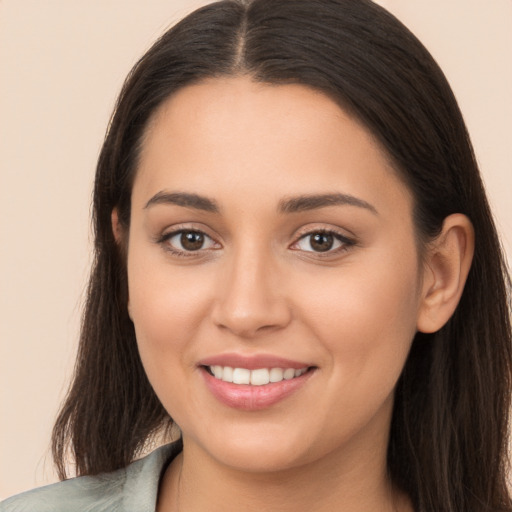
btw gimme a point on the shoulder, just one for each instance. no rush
(133, 488)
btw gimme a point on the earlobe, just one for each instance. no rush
(447, 265)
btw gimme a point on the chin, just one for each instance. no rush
(257, 459)
(257, 450)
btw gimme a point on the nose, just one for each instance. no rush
(250, 300)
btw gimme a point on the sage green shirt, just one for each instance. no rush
(130, 489)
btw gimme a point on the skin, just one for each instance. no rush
(257, 286)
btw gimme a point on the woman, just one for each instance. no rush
(296, 262)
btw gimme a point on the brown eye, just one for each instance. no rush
(192, 240)
(321, 242)
(187, 241)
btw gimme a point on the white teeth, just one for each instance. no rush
(258, 377)
(276, 375)
(289, 373)
(227, 374)
(241, 376)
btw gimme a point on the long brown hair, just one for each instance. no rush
(448, 442)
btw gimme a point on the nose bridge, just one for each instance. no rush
(249, 298)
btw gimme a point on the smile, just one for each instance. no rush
(256, 377)
(256, 388)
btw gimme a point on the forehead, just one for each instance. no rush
(226, 134)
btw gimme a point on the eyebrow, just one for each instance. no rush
(290, 205)
(184, 199)
(315, 201)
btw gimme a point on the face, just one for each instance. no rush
(274, 280)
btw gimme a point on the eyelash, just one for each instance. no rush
(164, 241)
(346, 243)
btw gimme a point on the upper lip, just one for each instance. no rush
(252, 362)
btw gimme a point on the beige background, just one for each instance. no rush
(62, 63)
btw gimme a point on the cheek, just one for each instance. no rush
(365, 316)
(167, 309)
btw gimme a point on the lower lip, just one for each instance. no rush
(253, 398)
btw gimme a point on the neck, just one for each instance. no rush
(350, 482)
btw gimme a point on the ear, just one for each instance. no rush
(116, 226)
(447, 265)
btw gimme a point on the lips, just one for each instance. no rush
(253, 383)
